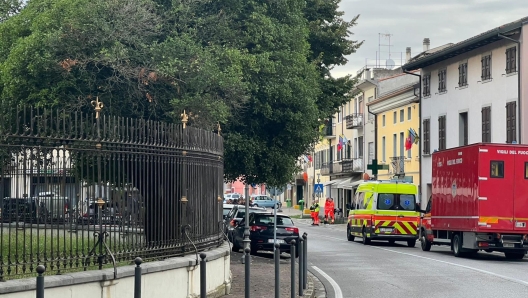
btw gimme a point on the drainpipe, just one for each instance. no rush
(419, 129)
(518, 83)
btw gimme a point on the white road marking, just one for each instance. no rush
(458, 265)
(440, 261)
(337, 289)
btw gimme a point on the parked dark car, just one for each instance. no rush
(261, 232)
(237, 213)
(109, 214)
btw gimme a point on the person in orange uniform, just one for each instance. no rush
(332, 209)
(327, 210)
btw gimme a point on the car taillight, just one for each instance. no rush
(294, 230)
(257, 228)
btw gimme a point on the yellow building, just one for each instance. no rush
(397, 118)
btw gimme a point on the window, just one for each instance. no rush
(526, 170)
(497, 169)
(389, 201)
(442, 133)
(463, 128)
(402, 115)
(511, 60)
(402, 145)
(486, 124)
(383, 144)
(427, 136)
(462, 74)
(427, 85)
(370, 152)
(394, 115)
(339, 115)
(349, 150)
(511, 119)
(442, 80)
(360, 146)
(486, 67)
(409, 113)
(394, 145)
(383, 120)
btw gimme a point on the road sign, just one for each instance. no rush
(276, 191)
(375, 167)
(318, 188)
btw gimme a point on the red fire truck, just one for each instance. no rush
(479, 200)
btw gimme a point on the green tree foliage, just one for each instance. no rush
(329, 44)
(260, 68)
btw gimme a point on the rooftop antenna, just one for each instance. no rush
(389, 63)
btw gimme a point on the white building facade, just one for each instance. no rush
(470, 94)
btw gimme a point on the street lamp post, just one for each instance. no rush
(318, 182)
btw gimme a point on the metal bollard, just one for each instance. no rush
(292, 277)
(247, 261)
(301, 267)
(305, 260)
(137, 278)
(277, 270)
(40, 281)
(203, 276)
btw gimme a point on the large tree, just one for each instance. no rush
(260, 68)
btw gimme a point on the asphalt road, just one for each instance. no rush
(351, 269)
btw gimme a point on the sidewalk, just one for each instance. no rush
(262, 278)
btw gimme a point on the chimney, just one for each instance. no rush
(426, 44)
(367, 73)
(407, 55)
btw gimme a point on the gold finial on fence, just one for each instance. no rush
(219, 128)
(98, 106)
(185, 118)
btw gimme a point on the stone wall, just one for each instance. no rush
(176, 278)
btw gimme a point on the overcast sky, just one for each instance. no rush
(410, 21)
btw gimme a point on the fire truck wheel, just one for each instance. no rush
(349, 236)
(366, 241)
(514, 255)
(457, 246)
(426, 245)
(411, 243)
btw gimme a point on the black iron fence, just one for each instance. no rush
(86, 190)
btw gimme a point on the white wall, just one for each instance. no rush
(495, 93)
(175, 278)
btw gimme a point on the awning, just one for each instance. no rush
(339, 182)
(347, 183)
(329, 182)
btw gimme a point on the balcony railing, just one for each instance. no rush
(329, 131)
(352, 165)
(354, 121)
(398, 165)
(330, 168)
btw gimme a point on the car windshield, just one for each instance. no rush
(389, 201)
(269, 220)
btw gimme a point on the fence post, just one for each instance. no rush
(301, 265)
(305, 259)
(40, 281)
(292, 277)
(277, 270)
(137, 278)
(203, 276)
(247, 260)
